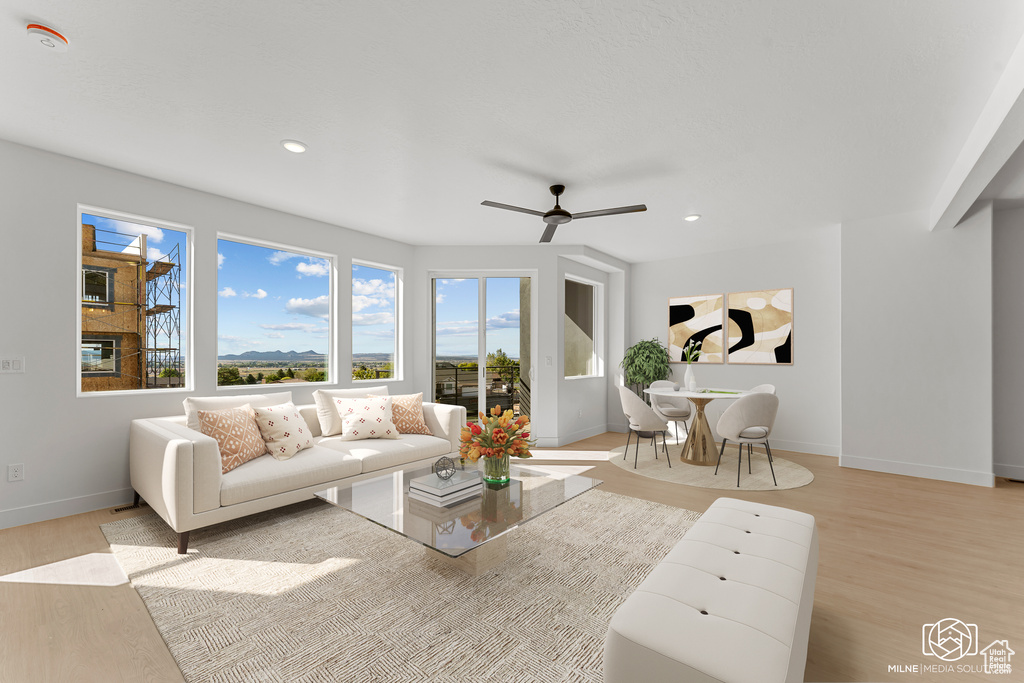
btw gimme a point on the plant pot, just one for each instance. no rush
(496, 469)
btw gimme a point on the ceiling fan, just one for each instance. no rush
(559, 216)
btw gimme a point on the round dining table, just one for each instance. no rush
(699, 448)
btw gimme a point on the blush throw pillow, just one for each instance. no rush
(357, 426)
(283, 430)
(237, 435)
(407, 414)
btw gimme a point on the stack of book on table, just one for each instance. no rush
(443, 492)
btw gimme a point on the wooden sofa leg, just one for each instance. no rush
(136, 499)
(183, 542)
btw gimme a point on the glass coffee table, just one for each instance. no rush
(470, 535)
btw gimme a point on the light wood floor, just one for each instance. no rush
(896, 553)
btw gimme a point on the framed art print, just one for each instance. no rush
(760, 327)
(697, 318)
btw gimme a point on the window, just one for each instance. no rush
(101, 356)
(274, 307)
(374, 316)
(133, 326)
(580, 329)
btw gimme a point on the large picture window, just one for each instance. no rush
(374, 322)
(580, 329)
(274, 307)
(134, 320)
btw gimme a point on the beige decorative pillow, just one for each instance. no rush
(357, 426)
(407, 413)
(236, 433)
(374, 406)
(283, 429)
(327, 413)
(193, 404)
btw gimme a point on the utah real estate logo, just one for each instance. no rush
(952, 640)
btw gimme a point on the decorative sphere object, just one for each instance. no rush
(444, 468)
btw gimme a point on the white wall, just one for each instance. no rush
(75, 450)
(809, 390)
(1007, 333)
(917, 347)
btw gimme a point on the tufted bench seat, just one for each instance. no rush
(731, 603)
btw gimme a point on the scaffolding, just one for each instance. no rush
(138, 302)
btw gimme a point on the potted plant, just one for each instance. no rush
(645, 362)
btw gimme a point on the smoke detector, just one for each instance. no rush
(47, 37)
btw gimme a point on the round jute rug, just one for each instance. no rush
(789, 474)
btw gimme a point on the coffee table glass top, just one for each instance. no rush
(466, 525)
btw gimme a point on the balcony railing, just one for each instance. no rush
(461, 386)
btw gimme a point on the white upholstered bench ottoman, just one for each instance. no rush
(731, 603)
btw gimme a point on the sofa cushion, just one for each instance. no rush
(238, 436)
(380, 454)
(193, 404)
(283, 429)
(264, 477)
(327, 411)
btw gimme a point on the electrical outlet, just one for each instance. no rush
(12, 366)
(16, 472)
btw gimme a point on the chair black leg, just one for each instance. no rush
(750, 449)
(769, 450)
(766, 448)
(664, 445)
(629, 434)
(720, 456)
(654, 443)
(636, 454)
(739, 465)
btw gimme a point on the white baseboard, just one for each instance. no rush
(562, 439)
(804, 447)
(42, 512)
(913, 469)
(1008, 471)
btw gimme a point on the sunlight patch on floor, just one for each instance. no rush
(94, 569)
(546, 454)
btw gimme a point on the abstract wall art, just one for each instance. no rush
(698, 318)
(760, 327)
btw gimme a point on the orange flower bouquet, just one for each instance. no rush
(496, 437)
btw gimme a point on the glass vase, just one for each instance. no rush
(496, 469)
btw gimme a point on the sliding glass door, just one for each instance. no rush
(482, 342)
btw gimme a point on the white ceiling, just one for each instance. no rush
(769, 118)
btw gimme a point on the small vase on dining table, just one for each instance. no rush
(689, 381)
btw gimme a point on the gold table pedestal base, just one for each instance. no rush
(700, 447)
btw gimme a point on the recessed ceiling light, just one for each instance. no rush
(47, 37)
(692, 217)
(294, 146)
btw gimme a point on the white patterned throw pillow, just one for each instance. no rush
(283, 429)
(366, 418)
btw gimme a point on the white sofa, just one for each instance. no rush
(177, 470)
(731, 603)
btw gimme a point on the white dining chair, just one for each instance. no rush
(763, 389)
(673, 409)
(749, 420)
(642, 418)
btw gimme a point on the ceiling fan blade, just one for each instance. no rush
(509, 207)
(549, 232)
(610, 212)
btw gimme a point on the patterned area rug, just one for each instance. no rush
(313, 593)
(788, 474)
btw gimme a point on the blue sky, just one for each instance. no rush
(457, 316)
(269, 300)
(115, 235)
(373, 310)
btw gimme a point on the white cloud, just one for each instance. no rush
(305, 327)
(319, 307)
(373, 319)
(374, 287)
(440, 298)
(260, 294)
(505, 320)
(135, 229)
(227, 291)
(241, 341)
(360, 302)
(313, 268)
(154, 254)
(279, 257)
(220, 260)
(274, 335)
(449, 282)
(457, 331)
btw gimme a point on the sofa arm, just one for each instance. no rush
(445, 421)
(177, 470)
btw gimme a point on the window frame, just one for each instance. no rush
(109, 275)
(115, 342)
(399, 371)
(188, 297)
(598, 317)
(332, 297)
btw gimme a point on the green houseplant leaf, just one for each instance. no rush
(645, 362)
